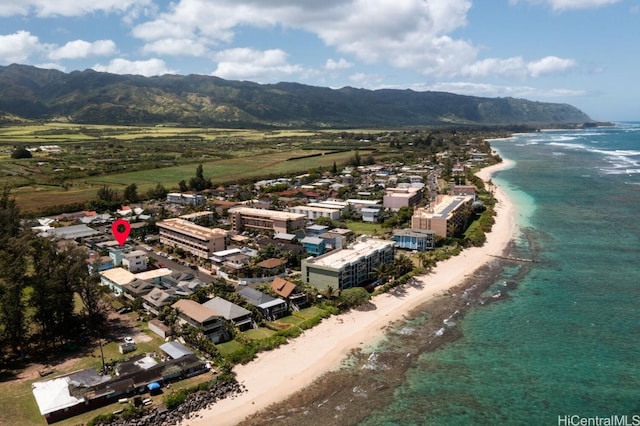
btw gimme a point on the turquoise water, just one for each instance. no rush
(567, 339)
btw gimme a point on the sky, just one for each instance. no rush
(581, 52)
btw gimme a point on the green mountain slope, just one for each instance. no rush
(102, 98)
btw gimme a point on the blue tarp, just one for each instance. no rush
(153, 386)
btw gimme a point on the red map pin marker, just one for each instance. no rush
(121, 230)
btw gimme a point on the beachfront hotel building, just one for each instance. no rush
(192, 238)
(243, 218)
(348, 267)
(447, 218)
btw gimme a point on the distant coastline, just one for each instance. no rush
(276, 375)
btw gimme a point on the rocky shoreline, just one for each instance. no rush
(195, 402)
(369, 378)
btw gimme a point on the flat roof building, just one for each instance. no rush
(348, 267)
(195, 239)
(185, 198)
(395, 198)
(447, 218)
(265, 220)
(312, 212)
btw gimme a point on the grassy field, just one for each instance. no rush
(87, 157)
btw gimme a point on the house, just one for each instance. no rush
(289, 292)
(99, 263)
(414, 239)
(314, 245)
(85, 390)
(209, 322)
(239, 316)
(270, 308)
(157, 299)
(334, 240)
(316, 230)
(271, 267)
(135, 261)
(371, 214)
(137, 288)
(237, 262)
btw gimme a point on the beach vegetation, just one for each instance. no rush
(353, 297)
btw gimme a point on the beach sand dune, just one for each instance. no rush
(277, 374)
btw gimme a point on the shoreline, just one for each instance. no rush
(276, 375)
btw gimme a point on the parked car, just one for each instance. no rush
(129, 340)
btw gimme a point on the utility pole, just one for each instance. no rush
(101, 355)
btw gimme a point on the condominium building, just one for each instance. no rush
(348, 267)
(243, 218)
(192, 238)
(447, 218)
(396, 198)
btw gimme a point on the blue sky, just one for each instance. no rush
(581, 52)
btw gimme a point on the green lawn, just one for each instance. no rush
(362, 228)
(311, 312)
(228, 348)
(291, 320)
(259, 333)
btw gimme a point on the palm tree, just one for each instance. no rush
(382, 272)
(330, 292)
(427, 260)
(402, 264)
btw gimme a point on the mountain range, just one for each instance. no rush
(92, 97)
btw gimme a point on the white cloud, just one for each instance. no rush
(83, 49)
(517, 67)
(415, 35)
(561, 5)
(48, 8)
(492, 90)
(340, 64)
(51, 66)
(255, 65)
(177, 47)
(147, 68)
(19, 47)
(549, 65)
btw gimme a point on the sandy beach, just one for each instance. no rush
(275, 375)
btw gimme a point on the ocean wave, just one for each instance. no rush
(619, 171)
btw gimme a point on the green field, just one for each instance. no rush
(91, 156)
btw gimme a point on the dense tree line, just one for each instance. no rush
(39, 283)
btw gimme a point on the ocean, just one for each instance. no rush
(566, 342)
(562, 342)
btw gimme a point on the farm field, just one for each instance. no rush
(71, 162)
